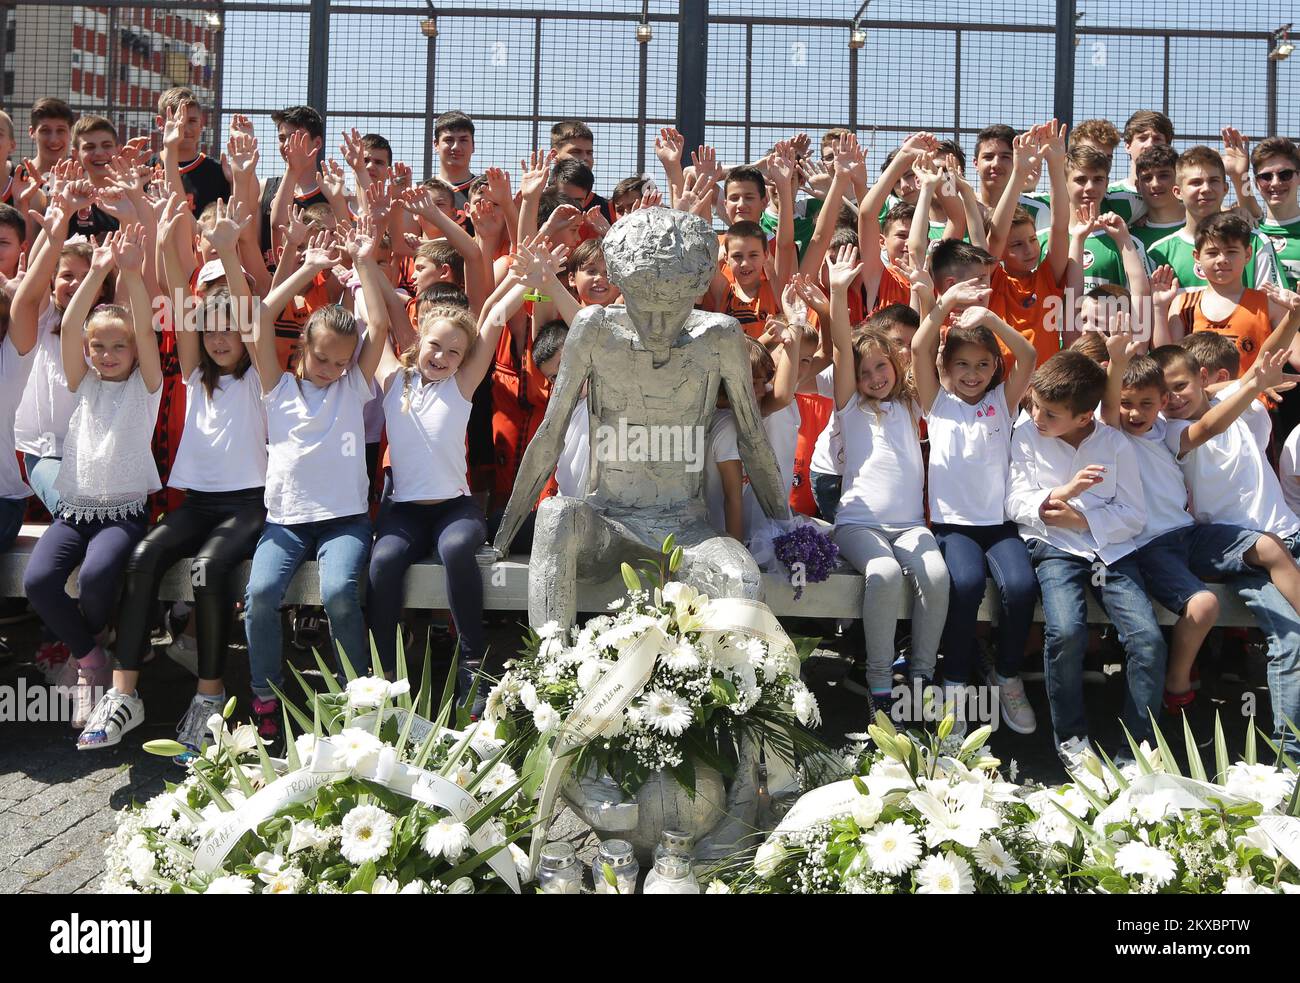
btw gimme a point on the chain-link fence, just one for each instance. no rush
(767, 68)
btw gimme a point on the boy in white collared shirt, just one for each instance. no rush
(1075, 491)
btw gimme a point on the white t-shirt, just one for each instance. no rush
(223, 445)
(108, 469)
(316, 467)
(721, 445)
(970, 451)
(1289, 470)
(782, 428)
(1163, 488)
(47, 404)
(426, 444)
(575, 457)
(14, 370)
(828, 451)
(1230, 480)
(883, 472)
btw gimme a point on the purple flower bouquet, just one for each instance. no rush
(808, 553)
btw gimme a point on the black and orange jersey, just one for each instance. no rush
(1247, 326)
(268, 196)
(204, 182)
(92, 223)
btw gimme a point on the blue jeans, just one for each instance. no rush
(41, 473)
(826, 489)
(972, 553)
(1281, 626)
(1065, 580)
(341, 547)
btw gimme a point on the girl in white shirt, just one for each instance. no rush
(880, 525)
(969, 415)
(316, 484)
(221, 463)
(107, 472)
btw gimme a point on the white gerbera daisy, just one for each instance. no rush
(946, 874)
(682, 657)
(893, 848)
(1263, 783)
(359, 747)
(230, 884)
(805, 706)
(993, 858)
(1138, 859)
(545, 718)
(446, 838)
(367, 834)
(666, 712)
(500, 778)
(367, 692)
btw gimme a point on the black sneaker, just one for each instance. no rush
(310, 630)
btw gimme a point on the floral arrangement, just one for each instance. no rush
(916, 813)
(809, 555)
(367, 756)
(706, 692)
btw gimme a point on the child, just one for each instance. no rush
(1163, 214)
(1174, 551)
(1224, 306)
(1215, 353)
(106, 475)
(221, 462)
(573, 140)
(742, 287)
(201, 176)
(994, 165)
(969, 416)
(300, 134)
(1075, 492)
(1277, 164)
(95, 144)
(316, 482)
(18, 325)
(50, 130)
(1201, 184)
(1100, 245)
(453, 137)
(880, 524)
(1145, 129)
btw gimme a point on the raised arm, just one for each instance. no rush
(1266, 372)
(824, 229)
(1023, 149)
(1236, 162)
(1121, 347)
(419, 201)
(320, 255)
(925, 343)
(299, 160)
(536, 169)
(72, 330)
(970, 204)
(1164, 290)
(670, 148)
(930, 176)
(25, 308)
(361, 244)
(781, 169)
(843, 270)
(129, 253)
(786, 379)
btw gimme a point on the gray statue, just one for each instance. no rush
(652, 368)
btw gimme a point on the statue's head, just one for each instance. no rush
(661, 259)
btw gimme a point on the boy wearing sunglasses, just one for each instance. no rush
(1277, 165)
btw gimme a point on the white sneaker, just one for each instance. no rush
(193, 731)
(1016, 711)
(184, 652)
(1072, 753)
(112, 717)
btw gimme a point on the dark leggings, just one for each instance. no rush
(407, 534)
(972, 553)
(102, 548)
(220, 530)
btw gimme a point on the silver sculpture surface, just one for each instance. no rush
(651, 367)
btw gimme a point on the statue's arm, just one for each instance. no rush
(544, 449)
(755, 449)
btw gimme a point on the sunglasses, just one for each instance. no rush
(1284, 175)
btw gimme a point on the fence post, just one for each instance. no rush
(1063, 101)
(318, 55)
(692, 69)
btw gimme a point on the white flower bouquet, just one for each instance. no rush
(918, 814)
(707, 691)
(371, 797)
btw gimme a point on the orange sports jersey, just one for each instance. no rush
(814, 415)
(169, 425)
(1023, 303)
(752, 314)
(1248, 325)
(289, 325)
(519, 396)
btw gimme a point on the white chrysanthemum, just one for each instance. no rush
(367, 834)
(1138, 859)
(768, 858)
(666, 712)
(946, 874)
(866, 810)
(717, 887)
(550, 630)
(306, 836)
(528, 696)
(805, 706)
(1150, 809)
(446, 838)
(230, 884)
(893, 848)
(1263, 783)
(545, 718)
(683, 657)
(367, 692)
(141, 861)
(993, 858)
(160, 810)
(359, 747)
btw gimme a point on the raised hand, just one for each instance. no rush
(321, 252)
(332, 183)
(561, 220)
(670, 147)
(698, 194)
(648, 199)
(1051, 140)
(9, 285)
(379, 201)
(810, 292)
(1268, 370)
(241, 152)
(844, 268)
(705, 161)
(113, 201)
(851, 158)
(128, 249)
(1120, 343)
(793, 306)
(967, 293)
(919, 143)
(916, 276)
(401, 176)
(1236, 154)
(1084, 220)
(927, 171)
(230, 222)
(297, 231)
(816, 176)
(1114, 226)
(359, 240)
(971, 316)
(419, 202)
(1286, 298)
(175, 214)
(354, 155)
(241, 125)
(298, 153)
(104, 257)
(488, 221)
(536, 169)
(595, 221)
(1164, 286)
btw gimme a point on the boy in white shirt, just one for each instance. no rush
(1075, 491)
